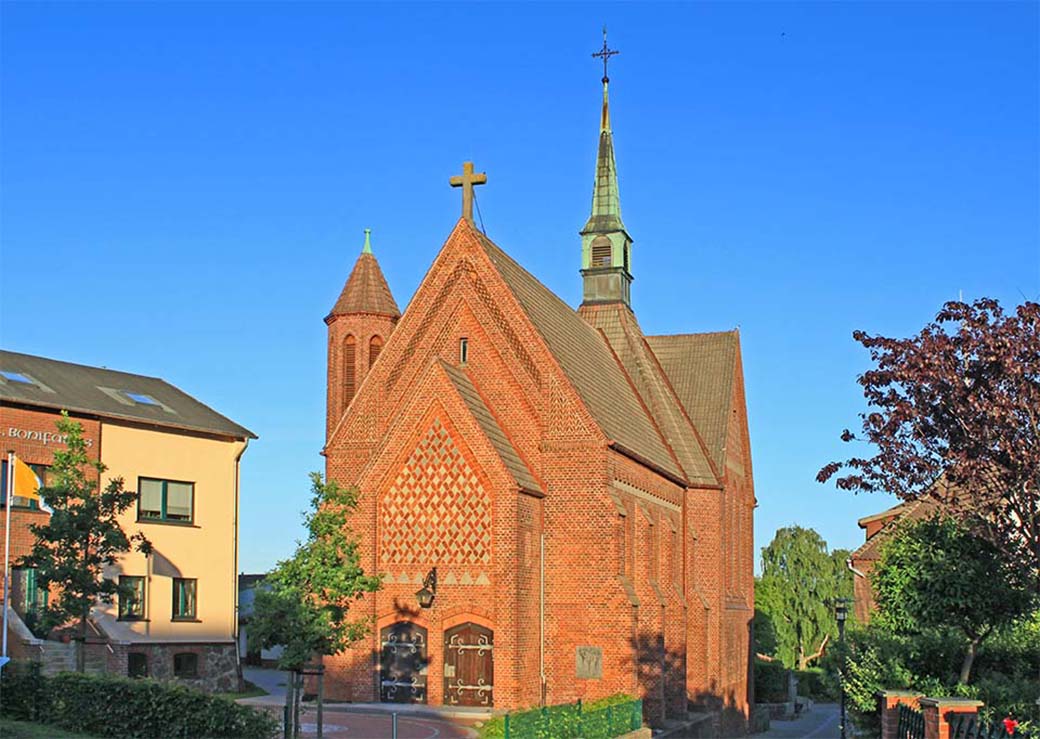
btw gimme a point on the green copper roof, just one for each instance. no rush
(367, 248)
(606, 201)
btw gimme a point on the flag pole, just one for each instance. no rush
(7, 543)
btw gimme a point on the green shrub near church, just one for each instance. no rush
(601, 719)
(121, 707)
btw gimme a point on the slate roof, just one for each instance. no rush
(588, 363)
(701, 369)
(102, 392)
(484, 418)
(366, 291)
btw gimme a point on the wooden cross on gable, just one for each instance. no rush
(466, 181)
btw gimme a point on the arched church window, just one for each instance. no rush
(375, 345)
(349, 369)
(601, 256)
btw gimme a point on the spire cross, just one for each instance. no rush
(605, 54)
(466, 181)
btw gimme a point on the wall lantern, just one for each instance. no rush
(428, 590)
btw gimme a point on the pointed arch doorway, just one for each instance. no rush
(469, 665)
(402, 663)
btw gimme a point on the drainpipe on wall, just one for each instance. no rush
(541, 615)
(853, 570)
(234, 568)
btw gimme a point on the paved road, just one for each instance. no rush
(342, 721)
(820, 723)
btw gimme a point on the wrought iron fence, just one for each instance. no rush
(970, 726)
(568, 721)
(911, 723)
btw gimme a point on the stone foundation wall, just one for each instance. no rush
(217, 663)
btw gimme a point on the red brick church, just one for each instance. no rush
(560, 506)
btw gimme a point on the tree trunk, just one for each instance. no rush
(81, 653)
(969, 659)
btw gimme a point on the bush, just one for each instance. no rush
(121, 707)
(929, 662)
(770, 682)
(600, 719)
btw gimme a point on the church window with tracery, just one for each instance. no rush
(349, 369)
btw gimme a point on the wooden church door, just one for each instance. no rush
(402, 663)
(469, 665)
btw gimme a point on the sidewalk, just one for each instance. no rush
(822, 722)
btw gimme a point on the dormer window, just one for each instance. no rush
(463, 350)
(16, 377)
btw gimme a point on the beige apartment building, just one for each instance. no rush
(183, 459)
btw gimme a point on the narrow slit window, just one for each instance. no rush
(375, 346)
(463, 350)
(349, 369)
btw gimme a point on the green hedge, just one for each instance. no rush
(601, 719)
(770, 682)
(121, 707)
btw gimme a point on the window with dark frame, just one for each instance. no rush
(185, 599)
(136, 664)
(172, 501)
(131, 597)
(463, 350)
(186, 665)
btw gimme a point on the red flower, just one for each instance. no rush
(1010, 725)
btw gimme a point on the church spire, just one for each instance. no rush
(605, 242)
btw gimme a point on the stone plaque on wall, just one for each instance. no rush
(590, 663)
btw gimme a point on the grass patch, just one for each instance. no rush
(26, 730)
(249, 690)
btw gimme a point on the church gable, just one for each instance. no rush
(464, 288)
(437, 509)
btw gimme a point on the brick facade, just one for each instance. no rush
(495, 471)
(33, 437)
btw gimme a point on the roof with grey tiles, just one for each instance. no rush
(588, 363)
(106, 393)
(621, 329)
(486, 420)
(701, 370)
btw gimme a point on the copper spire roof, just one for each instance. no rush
(366, 290)
(606, 201)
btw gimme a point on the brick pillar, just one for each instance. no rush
(937, 713)
(888, 708)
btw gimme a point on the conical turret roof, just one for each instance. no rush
(366, 290)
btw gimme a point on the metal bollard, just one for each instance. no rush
(393, 721)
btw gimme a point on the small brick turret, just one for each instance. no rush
(359, 324)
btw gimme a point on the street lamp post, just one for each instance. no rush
(841, 612)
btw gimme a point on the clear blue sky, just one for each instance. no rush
(185, 187)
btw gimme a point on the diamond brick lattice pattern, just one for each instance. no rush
(436, 511)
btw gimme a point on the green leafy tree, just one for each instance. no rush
(304, 603)
(82, 537)
(798, 588)
(936, 574)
